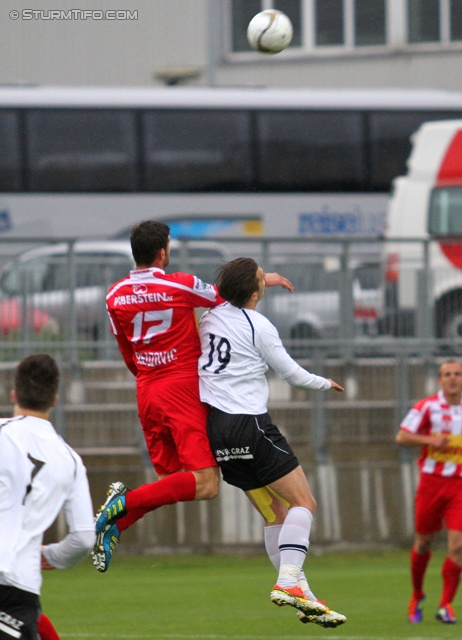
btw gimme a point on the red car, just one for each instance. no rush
(12, 318)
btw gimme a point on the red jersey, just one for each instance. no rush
(152, 316)
(433, 415)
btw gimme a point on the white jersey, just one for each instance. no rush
(237, 347)
(39, 474)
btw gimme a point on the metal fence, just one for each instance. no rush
(377, 326)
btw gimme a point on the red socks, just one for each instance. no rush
(419, 564)
(450, 572)
(179, 487)
(126, 521)
(45, 629)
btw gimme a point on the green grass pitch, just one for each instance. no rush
(227, 598)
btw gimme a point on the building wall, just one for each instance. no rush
(166, 34)
(186, 37)
(401, 70)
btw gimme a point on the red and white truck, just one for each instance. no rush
(424, 232)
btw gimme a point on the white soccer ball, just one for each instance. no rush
(270, 31)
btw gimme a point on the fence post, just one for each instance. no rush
(74, 357)
(325, 469)
(319, 431)
(59, 411)
(27, 304)
(406, 455)
(424, 312)
(263, 304)
(346, 329)
(346, 320)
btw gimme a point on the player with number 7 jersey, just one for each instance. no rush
(154, 311)
(152, 316)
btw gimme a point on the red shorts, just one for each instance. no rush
(174, 425)
(438, 500)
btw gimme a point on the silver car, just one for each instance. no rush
(318, 307)
(70, 286)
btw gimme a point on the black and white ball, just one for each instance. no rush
(270, 31)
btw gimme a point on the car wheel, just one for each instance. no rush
(451, 327)
(303, 331)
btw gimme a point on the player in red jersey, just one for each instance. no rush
(435, 424)
(153, 319)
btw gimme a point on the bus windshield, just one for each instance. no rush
(445, 213)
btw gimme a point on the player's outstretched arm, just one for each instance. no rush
(276, 280)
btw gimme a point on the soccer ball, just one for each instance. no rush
(270, 31)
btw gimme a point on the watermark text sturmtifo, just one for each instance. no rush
(73, 14)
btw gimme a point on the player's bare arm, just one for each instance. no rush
(407, 439)
(44, 564)
(335, 386)
(276, 280)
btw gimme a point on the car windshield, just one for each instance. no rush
(200, 261)
(327, 275)
(51, 273)
(369, 275)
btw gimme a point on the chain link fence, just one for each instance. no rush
(379, 318)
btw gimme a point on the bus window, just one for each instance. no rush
(317, 151)
(197, 150)
(10, 173)
(81, 150)
(390, 145)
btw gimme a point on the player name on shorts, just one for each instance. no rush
(139, 298)
(155, 358)
(232, 454)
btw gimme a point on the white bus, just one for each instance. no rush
(213, 162)
(425, 217)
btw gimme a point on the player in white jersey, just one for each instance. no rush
(435, 424)
(39, 474)
(238, 344)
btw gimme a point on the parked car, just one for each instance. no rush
(71, 287)
(314, 310)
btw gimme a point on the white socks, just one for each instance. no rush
(287, 545)
(305, 587)
(272, 544)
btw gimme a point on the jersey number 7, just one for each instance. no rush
(144, 330)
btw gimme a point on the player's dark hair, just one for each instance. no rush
(36, 382)
(147, 238)
(237, 281)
